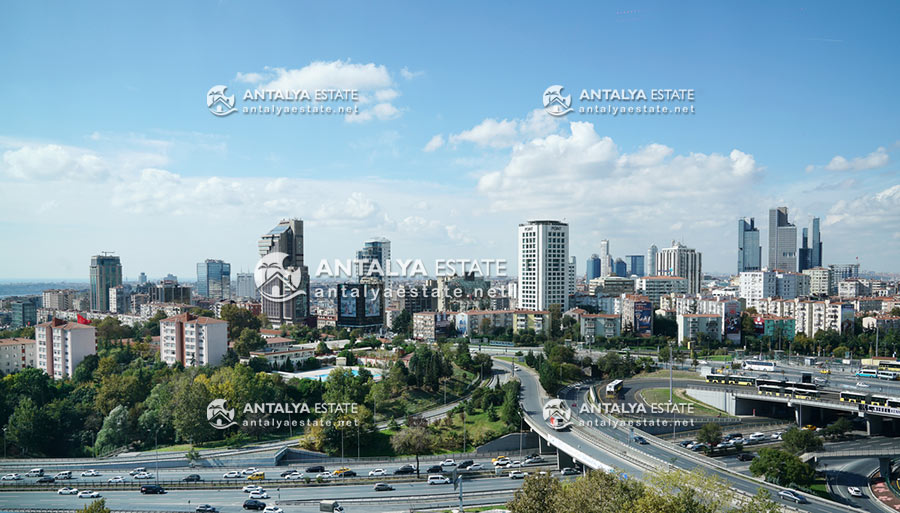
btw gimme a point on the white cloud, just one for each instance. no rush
(53, 162)
(381, 112)
(458, 235)
(386, 95)
(434, 143)
(249, 78)
(409, 75)
(331, 75)
(506, 133)
(876, 159)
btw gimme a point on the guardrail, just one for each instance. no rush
(73, 510)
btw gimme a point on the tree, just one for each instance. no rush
(710, 434)
(781, 467)
(799, 441)
(84, 372)
(116, 431)
(189, 411)
(249, 340)
(536, 495)
(98, 506)
(412, 440)
(839, 428)
(27, 427)
(402, 322)
(238, 320)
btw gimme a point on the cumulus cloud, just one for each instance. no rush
(381, 111)
(409, 75)
(876, 159)
(53, 162)
(434, 143)
(491, 133)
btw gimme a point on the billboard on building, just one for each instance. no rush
(848, 317)
(732, 320)
(759, 325)
(348, 303)
(373, 301)
(643, 318)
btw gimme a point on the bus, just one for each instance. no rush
(803, 390)
(889, 375)
(893, 366)
(758, 365)
(867, 373)
(731, 380)
(855, 397)
(615, 388)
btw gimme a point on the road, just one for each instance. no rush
(846, 472)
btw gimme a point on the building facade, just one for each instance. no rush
(656, 286)
(286, 238)
(192, 341)
(820, 281)
(60, 346)
(16, 354)
(106, 272)
(246, 286)
(782, 241)
(682, 261)
(749, 249)
(544, 265)
(23, 313)
(214, 279)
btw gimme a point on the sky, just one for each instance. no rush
(107, 142)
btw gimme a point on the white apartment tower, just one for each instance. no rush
(60, 346)
(680, 260)
(192, 340)
(544, 265)
(650, 266)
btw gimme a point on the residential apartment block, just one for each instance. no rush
(60, 346)
(192, 340)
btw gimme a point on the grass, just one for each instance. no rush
(664, 373)
(661, 395)
(820, 488)
(719, 358)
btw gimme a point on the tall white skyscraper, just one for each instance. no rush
(375, 249)
(246, 286)
(544, 265)
(680, 260)
(749, 250)
(651, 260)
(605, 258)
(782, 241)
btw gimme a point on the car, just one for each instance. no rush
(273, 509)
(136, 471)
(745, 456)
(295, 475)
(569, 471)
(699, 447)
(735, 435)
(90, 473)
(449, 462)
(854, 491)
(206, 508)
(45, 479)
(144, 475)
(378, 472)
(252, 488)
(532, 460)
(383, 487)
(249, 471)
(517, 474)
(67, 491)
(116, 480)
(438, 479)
(494, 460)
(809, 427)
(11, 477)
(192, 478)
(259, 494)
(685, 443)
(35, 472)
(256, 476)
(232, 474)
(254, 504)
(501, 462)
(514, 464)
(724, 445)
(825, 371)
(325, 476)
(434, 468)
(820, 381)
(405, 469)
(88, 494)
(738, 441)
(465, 463)
(315, 469)
(791, 495)
(346, 472)
(860, 384)
(475, 467)
(640, 440)
(152, 489)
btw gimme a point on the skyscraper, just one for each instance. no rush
(782, 241)
(815, 244)
(544, 265)
(287, 238)
(651, 260)
(246, 287)
(594, 267)
(106, 272)
(377, 249)
(605, 259)
(620, 268)
(749, 250)
(635, 265)
(214, 279)
(680, 260)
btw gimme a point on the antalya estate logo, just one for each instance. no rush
(557, 414)
(274, 282)
(219, 416)
(555, 103)
(219, 104)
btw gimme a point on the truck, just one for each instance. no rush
(331, 507)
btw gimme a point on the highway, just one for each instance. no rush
(845, 472)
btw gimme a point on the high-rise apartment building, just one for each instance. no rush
(60, 346)
(634, 265)
(286, 238)
(594, 268)
(841, 272)
(169, 291)
(680, 260)
(810, 254)
(59, 299)
(757, 285)
(619, 268)
(749, 250)
(142, 278)
(820, 281)
(606, 262)
(782, 241)
(16, 354)
(214, 279)
(192, 341)
(24, 313)
(246, 287)
(377, 249)
(106, 272)
(544, 265)
(652, 252)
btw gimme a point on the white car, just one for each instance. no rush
(860, 384)
(252, 488)
(11, 477)
(438, 479)
(757, 436)
(259, 494)
(249, 471)
(514, 464)
(533, 460)
(116, 480)
(90, 473)
(273, 509)
(324, 476)
(144, 475)
(234, 474)
(502, 462)
(378, 472)
(295, 475)
(475, 467)
(67, 491)
(88, 494)
(517, 474)
(448, 463)
(854, 491)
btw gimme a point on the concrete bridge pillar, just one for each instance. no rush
(544, 447)
(874, 425)
(563, 460)
(800, 416)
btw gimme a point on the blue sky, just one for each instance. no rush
(107, 144)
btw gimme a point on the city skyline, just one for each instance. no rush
(440, 165)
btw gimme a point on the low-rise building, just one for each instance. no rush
(882, 323)
(277, 356)
(16, 354)
(600, 325)
(690, 326)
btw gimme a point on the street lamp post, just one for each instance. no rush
(156, 449)
(4, 442)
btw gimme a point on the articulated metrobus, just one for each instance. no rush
(731, 380)
(889, 366)
(758, 365)
(874, 400)
(614, 389)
